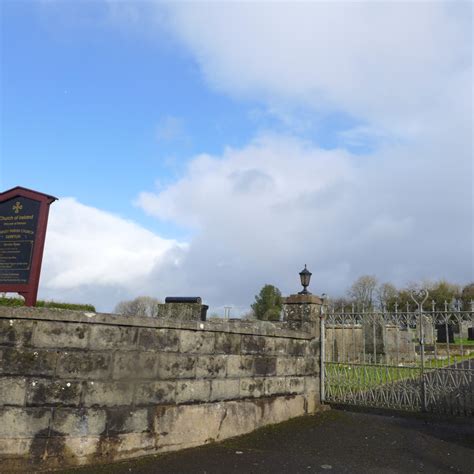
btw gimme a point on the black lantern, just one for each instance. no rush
(305, 277)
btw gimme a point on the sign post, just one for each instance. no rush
(23, 221)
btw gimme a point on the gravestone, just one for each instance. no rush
(441, 333)
(23, 221)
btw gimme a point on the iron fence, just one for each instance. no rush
(419, 360)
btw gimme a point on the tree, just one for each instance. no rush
(467, 296)
(268, 304)
(339, 304)
(362, 291)
(402, 301)
(441, 292)
(140, 306)
(386, 296)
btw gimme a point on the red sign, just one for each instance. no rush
(23, 221)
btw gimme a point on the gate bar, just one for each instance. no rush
(322, 344)
(419, 297)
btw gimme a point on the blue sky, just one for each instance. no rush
(100, 114)
(138, 110)
(82, 106)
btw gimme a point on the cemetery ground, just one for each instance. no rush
(331, 441)
(363, 377)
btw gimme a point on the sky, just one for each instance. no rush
(207, 149)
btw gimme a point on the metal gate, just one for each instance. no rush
(419, 360)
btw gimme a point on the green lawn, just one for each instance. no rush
(465, 342)
(362, 377)
(344, 377)
(439, 363)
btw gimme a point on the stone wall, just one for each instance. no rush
(79, 388)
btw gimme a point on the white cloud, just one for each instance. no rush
(98, 256)
(262, 211)
(385, 62)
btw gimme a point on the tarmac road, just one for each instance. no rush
(335, 441)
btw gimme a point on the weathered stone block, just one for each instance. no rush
(286, 366)
(12, 391)
(149, 393)
(22, 361)
(310, 366)
(150, 339)
(275, 386)
(126, 420)
(227, 343)
(108, 393)
(180, 311)
(192, 391)
(197, 342)
(238, 418)
(14, 448)
(281, 346)
(112, 337)
(18, 422)
(187, 425)
(53, 392)
(211, 366)
(313, 403)
(84, 365)
(295, 384)
(16, 332)
(132, 365)
(239, 366)
(311, 384)
(269, 345)
(252, 387)
(225, 389)
(87, 448)
(297, 347)
(57, 334)
(265, 366)
(79, 421)
(278, 409)
(126, 445)
(313, 346)
(303, 365)
(253, 344)
(175, 366)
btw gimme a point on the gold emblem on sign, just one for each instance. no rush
(17, 207)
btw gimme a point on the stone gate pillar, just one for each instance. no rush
(302, 312)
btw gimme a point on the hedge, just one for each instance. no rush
(47, 304)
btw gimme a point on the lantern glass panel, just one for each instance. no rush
(305, 279)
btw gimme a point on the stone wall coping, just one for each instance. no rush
(343, 326)
(261, 328)
(303, 299)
